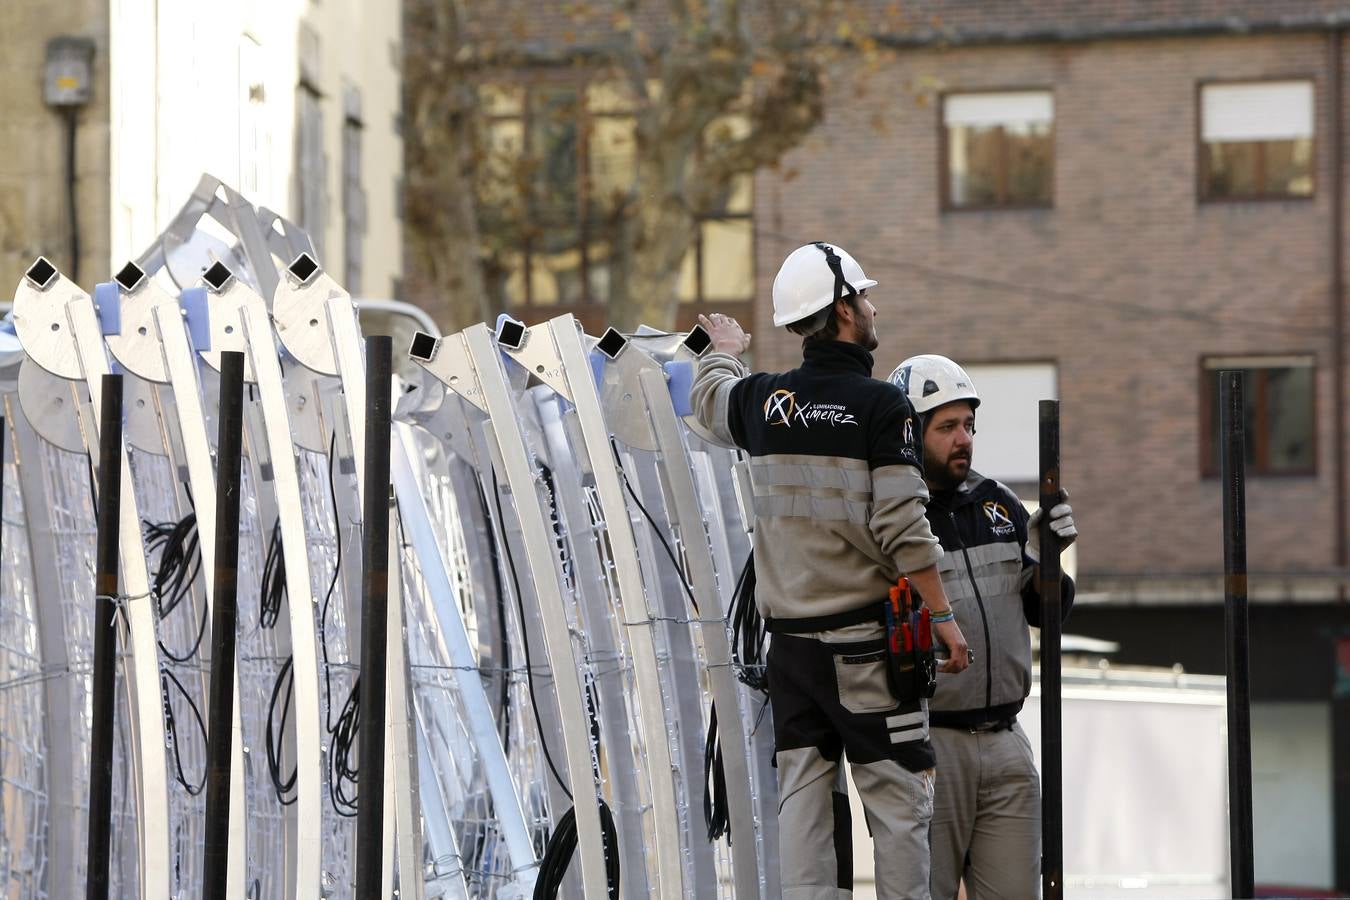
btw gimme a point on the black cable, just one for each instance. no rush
(748, 634)
(563, 844)
(344, 731)
(180, 563)
(273, 580)
(332, 584)
(276, 738)
(656, 529)
(716, 812)
(93, 482)
(345, 739)
(503, 636)
(555, 518)
(525, 639)
(269, 612)
(171, 730)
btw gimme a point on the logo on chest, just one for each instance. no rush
(999, 521)
(783, 408)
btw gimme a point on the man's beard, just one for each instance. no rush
(869, 340)
(942, 474)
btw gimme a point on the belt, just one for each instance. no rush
(874, 612)
(981, 727)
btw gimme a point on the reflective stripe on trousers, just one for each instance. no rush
(832, 700)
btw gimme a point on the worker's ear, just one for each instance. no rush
(845, 311)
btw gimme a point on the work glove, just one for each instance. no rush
(1061, 523)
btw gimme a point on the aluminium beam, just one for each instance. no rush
(59, 328)
(469, 364)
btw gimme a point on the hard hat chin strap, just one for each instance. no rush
(836, 266)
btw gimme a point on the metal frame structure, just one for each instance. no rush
(561, 426)
(60, 330)
(469, 364)
(556, 353)
(152, 345)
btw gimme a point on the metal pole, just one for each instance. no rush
(1234, 476)
(374, 618)
(224, 616)
(1052, 750)
(103, 701)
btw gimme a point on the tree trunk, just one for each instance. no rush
(440, 206)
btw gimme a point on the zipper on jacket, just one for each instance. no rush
(984, 618)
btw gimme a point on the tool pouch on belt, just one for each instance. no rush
(910, 661)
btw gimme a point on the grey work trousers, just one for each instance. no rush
(832, 702)
(987, 810)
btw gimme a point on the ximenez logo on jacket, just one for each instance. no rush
(999, 520)
(783, 408)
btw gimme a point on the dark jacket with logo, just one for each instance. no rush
(988, 579)
(836, 469)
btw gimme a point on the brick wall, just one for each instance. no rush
(1073, 284)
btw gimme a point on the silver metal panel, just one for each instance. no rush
(51, 405)
(634, 611)
(713, 467)
(605, 652)
(490, 382)
(148, 735)
(453, 633)
(301, 595)
(160, 351)
(688, 518)
(59, 694)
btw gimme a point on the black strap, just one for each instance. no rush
(873, 613)
(837, 267)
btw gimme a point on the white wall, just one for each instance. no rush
(1291, 794)
(199, 86)
(1007, 441)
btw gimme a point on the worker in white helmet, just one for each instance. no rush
(987, 817)
(839, 501)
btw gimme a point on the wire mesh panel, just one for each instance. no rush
(497, 603)
(686, 688)
(262, 648)
(318, 494)
(67, 487)
(476, 854)
(182, 625)
(23, 792)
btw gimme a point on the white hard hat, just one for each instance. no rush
(929, 381)
(812, 278)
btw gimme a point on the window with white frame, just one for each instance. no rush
(998, 149)
(1008, 418)
(1256, 140)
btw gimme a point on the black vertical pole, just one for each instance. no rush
(374, 619)
(1052, 750)
(1234, 476)
(224, 616)
(104, 703)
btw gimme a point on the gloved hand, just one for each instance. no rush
(726, 334)
(1061, 523)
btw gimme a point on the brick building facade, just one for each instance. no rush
(1137, 265)
(1126, 283)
